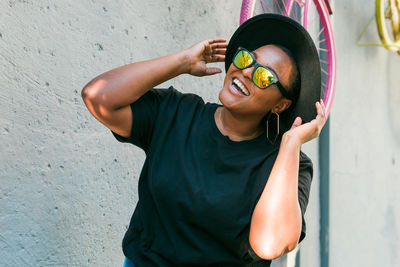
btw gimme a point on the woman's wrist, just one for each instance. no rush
(291, 141)
(186, 61)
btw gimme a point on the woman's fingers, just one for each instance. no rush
(214, 58)
(322, 110)
(220, 51)
(323, 107)
(211, 71)
(218, 59)
(219, 45)
(296, 123)
(217, 40)
(215, 52)
(214, 49)
(215, 44)
(321, 116)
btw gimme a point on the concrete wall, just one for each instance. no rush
(365, 145)
(68, 188)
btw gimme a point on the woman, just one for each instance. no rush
(204, 199)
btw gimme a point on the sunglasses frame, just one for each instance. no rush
(258, 65)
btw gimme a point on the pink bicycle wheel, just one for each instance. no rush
(314, 16)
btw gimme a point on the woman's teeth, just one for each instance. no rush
(241, 87)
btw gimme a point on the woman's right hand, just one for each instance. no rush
(201, 53)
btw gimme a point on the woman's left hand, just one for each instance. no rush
(310, 130)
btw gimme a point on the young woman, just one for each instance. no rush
(222, 185)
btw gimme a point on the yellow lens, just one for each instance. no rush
(242, 59)
(263, 77)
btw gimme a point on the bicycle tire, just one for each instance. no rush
(300, 11)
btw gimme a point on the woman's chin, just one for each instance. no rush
(227, 98)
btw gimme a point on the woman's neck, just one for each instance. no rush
(235, 127)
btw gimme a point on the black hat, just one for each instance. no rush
(276, 29)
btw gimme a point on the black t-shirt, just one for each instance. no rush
(197, 188)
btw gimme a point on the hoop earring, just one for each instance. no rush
(277, 128)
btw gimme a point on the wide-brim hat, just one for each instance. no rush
(276, 29)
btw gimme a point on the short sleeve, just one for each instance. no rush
(304, 185)
(145, 112)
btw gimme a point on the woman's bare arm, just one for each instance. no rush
(109, 95)
(276, 221)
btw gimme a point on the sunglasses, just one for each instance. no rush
(262, 76)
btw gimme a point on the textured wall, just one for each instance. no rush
(68, 188)
(365, 146)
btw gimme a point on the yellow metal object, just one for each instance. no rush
(388, 18)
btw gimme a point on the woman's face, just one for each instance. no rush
(258, 102)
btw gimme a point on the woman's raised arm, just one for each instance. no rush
(109, 95)
(276, 221)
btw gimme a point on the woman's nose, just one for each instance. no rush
(248, 72)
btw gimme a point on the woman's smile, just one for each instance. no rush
(238, 86)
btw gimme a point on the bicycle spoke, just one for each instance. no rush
(262, 6)
(300, 3)
(312, 21)
(300, 12)
(295, 12)
(323, 91)
(279, 7)
(284, 7)
(321, 31)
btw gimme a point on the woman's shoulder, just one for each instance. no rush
(173, 94)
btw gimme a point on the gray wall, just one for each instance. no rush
(365, 145)
(68, 188)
